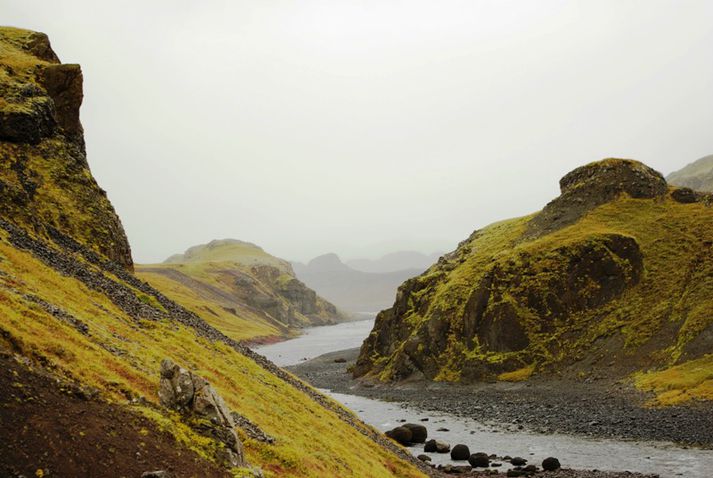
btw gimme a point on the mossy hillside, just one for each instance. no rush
(240, 289)
(239, 323)
(120, 356)
(45, 182)
(653, 318)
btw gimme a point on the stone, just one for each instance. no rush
(550, 464)
(518, 461)
(479, 460)
(423, 457)
(181, 390)
(442, 447)
(460, 452)
(419, 433)
(401, 435)
(684, 195)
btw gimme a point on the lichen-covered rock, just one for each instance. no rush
(192, 395)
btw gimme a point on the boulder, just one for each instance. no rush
(181, 390)
(684, 195)
(479, 460)
(550, 464)
(518, 461)
(401, 435)
(460, 452)
(442, 447)
(424, 457)
(419, 433)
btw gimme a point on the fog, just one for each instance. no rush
(363, 127)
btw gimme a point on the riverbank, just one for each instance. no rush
(602, 409)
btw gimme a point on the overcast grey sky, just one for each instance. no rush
(361, 127)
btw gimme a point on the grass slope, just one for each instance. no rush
(120, 356)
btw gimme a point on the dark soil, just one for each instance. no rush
(604, 408)
(56, 427)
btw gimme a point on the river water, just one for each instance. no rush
(665, 459)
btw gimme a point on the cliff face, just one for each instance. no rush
(697, 176)
(45, 181)
(254, 294)
(611, 277)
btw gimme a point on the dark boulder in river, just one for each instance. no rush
(419, 433)
(460, 452)
(479, 460)
(550, 464)
(400, 434)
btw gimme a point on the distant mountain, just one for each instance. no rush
(698, 175)
(395, 261)
(246, 291)
(349, 289)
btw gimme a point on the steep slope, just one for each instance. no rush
(698, 175)
(395, 261)
(82, 342)
(45, 181)
(613, 276)
(246, 292)
(349, 289)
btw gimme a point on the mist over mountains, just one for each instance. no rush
(362, 285)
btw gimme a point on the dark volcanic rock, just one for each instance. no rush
(479, 460)
(460, 452)
(419, 432)
(550, 464)
(518, 461)
(64, 85)
(401, 435)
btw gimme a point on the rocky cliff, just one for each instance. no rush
(104, 375)
(697, 176)
(250, 293)
(613, 276)
(45, 181)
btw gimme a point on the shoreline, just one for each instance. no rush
(603, 409)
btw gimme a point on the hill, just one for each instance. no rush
(350, 289)
(395, 261)
(698, 175)
(613, 277)
(85, 345)
(246, 292)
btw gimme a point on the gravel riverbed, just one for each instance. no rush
(602, 409)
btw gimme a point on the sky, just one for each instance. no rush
(365, 127)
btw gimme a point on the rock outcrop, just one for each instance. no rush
(584, 286)
(192, 395)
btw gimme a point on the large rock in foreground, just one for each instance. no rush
(192, 395)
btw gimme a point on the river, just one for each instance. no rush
(665, 459)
